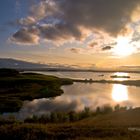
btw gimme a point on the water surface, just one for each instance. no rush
(80, 95)
(93, 75)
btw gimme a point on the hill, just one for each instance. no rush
(18, 64)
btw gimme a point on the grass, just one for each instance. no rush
(110, 126)
(17, 87)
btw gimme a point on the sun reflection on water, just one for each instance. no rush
(121, 74)
(119, 93)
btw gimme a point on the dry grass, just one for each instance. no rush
(112, 126)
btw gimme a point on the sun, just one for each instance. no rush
(123, 47)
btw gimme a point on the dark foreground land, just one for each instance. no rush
(117, 125)
(107, 124)
(16, 87)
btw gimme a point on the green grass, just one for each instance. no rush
(14, 89)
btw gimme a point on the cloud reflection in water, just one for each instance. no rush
(78, 96)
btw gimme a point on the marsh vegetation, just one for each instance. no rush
(16, 87)
(107, 123)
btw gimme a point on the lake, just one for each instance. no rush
(92, 75)
(80, 95)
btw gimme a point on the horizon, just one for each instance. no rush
(18, 64)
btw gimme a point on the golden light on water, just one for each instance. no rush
(119, 93)
(121, 74)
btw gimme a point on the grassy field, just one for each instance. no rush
(17, 87)
(117, 125)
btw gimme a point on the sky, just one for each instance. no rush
(80, 33)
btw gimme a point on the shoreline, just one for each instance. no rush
(16, 88)
(77, 70)
(124, 82)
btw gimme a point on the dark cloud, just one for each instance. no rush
(136, 37)
(110, 16)
(56, 32)
(26, 36)
(106, 48)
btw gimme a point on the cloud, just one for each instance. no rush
(108, 15)
(58, 32)
(45, 9)
(106, 48)
(25, 36)
(27, 21)
(69, 18)
(44, 106)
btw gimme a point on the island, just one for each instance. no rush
(119, 76)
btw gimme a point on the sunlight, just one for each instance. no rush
(119, 93)
(123, 47)
(119, 74)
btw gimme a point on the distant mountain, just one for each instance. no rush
(18, 64)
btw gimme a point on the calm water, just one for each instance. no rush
(93, 75)
(80, 95)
